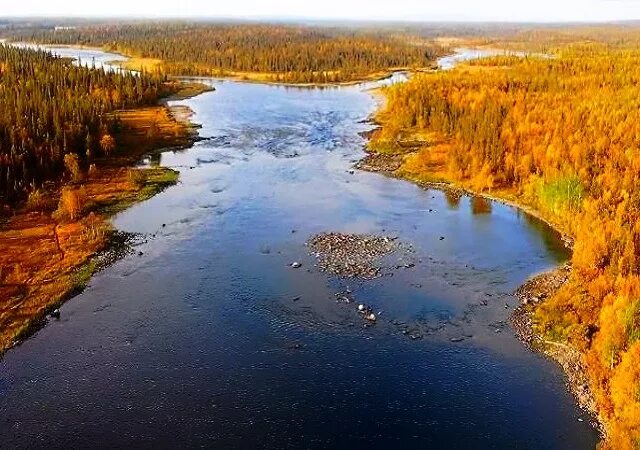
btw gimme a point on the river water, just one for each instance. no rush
(210, 338)
(87, 57)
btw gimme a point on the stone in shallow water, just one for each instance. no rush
(351, 255)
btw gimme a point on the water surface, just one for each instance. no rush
(209, 338)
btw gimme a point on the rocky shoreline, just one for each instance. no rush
(531, 294)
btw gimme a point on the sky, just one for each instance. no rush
(387, 10)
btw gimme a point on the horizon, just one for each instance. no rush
(302, 20)
(401, 11)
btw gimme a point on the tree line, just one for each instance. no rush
(287, 53)
(50, 109)
(562, 134)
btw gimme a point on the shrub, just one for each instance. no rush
(36, 201)
(107, 144)
(72, 203)
(72, 164)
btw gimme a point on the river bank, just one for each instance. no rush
(47, 259)
(133, 63)
(389, 157)
(214, 337)
(531, 295)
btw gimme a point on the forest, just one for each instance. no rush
(51, 110)
(560, 133)
(292, 54)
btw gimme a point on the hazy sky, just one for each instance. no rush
(423, 10)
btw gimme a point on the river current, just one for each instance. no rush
(205, 336)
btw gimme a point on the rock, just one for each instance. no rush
(371, 317)
(296, 265)
(55, 313)
(351, 255)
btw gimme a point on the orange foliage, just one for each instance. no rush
(562, 135)
(72, 203)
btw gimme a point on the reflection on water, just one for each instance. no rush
(453, 198)
(466, 54)
(209, 338)
(469, 54)
(92, 58)
(480, 205)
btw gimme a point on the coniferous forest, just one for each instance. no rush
(293, 54)
(554, 129)
(50, 108)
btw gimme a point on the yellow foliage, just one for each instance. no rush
(562, 135)
(625, 393)
(72, 203)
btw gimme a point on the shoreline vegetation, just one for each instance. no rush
(154, 66)
(534, 290)
(48, 258)
(567, 161)
(504, 128)
(279, 54)
(138, 64)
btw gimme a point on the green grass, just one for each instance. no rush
(631, 320)
(156, 180)
(561, 194)
(83, 274)
(153, 181)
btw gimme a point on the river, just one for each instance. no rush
(209, 338)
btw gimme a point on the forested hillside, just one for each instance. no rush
(562, 135)
(50, 109)
(287, 53)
